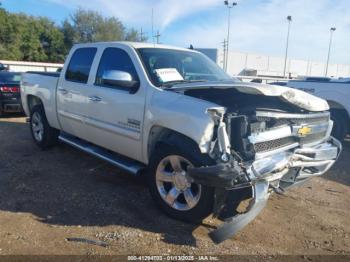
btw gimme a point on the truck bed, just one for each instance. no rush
(54, 74)
(43, 86)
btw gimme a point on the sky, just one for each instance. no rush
(257, 26)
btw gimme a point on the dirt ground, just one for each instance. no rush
(49, 196)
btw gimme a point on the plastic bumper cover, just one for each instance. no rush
(309, 161)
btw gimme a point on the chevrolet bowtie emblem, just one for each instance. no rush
(304, 131)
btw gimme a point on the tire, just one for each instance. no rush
(341, 124)
(201, 205)
(42, 133)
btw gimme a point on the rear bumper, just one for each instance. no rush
(11, 106)
(278, 171)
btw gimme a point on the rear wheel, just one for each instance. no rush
(43, 135)
(341, 124)
(171, 189)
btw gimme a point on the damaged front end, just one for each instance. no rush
(260, 153)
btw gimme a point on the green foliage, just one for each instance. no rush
(29, 38)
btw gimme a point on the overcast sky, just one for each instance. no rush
(257, 26)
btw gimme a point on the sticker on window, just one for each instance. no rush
(168, 75)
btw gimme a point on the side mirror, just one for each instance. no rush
(116, 78)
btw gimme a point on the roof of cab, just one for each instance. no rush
(135, 45)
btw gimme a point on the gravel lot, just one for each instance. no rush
(49, 196)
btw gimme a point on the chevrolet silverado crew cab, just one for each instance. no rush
(205, 141)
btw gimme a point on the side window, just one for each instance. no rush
(115, 59)
(80, 64)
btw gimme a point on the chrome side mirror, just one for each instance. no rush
(121, 79)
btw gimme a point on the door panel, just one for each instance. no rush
(72, 108)
(115, 116)
(116, 121)
(72, 100)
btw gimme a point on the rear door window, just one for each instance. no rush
(80, 64)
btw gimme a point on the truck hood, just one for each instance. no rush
(293, 96)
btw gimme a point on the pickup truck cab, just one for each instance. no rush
(336, 92)
(205, 141)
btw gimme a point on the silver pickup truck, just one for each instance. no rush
(205, 141)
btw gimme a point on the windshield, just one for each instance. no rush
(6, 77)
(180, 66)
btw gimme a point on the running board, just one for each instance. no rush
(131, 166)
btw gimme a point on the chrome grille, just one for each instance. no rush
(312, 138)
(275, 121)
(274, 144)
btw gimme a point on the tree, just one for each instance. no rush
(30, 38)
(132, 35)
(68, 33)
(90, 26)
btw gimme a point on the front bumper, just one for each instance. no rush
(307, 161)
(278, 171)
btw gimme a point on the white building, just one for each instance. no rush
(273, 66)
(20, 66)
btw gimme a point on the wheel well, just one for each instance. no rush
(33, 101)
(335, 106)
(340, 109)
(161, 135)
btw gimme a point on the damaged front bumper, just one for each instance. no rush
(263, 176)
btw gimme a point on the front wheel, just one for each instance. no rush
(171, 189)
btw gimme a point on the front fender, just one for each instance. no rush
(185, 115)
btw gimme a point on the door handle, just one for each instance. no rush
(95, 98)
(63, 91)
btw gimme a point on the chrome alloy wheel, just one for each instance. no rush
(174, 186)
(37, 127)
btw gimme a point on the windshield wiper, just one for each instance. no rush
(172, 83)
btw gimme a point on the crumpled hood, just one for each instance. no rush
(293, 96)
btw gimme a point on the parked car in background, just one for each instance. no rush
(337, 94)
(205, 141)
(10, 95)
(3, 67)
(278, 83)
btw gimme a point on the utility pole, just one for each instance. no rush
(227, 4)
(329, 48)
(224, 46)
(157, 36)
(289, 18)
(152, 27)
(142, 35)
